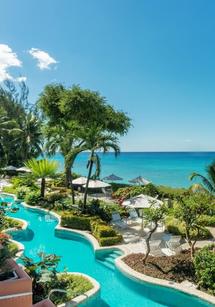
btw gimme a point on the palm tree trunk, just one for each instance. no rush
(88, 179)
(43, 186)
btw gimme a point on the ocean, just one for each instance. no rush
(162, 168)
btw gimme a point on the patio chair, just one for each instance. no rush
(117, 221)
(173, 245)
(133, 216)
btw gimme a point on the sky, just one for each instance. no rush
(153, 59)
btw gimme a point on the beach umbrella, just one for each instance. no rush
(9, 168)
(139, 180)
(142, 202)
(112, 177)
(97, 184)
(80, 181)
(23, 170)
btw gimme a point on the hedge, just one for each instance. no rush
(110, 240)
(76, 221)
(104, 233)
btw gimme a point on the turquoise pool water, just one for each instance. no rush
(78, 256)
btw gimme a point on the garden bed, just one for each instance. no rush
(175, 268)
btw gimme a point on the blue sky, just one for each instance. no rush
(153, 59)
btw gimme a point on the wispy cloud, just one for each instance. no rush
(21, 79)
(44, 60)
(8, 59)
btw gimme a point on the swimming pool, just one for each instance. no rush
(78, 256)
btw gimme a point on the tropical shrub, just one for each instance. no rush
(100, 230)
(104, 233)
(131, 191)
(9, 189)
(7, 250)
(33, 198)
(27, 181)
(55, 196)
(108, 241)
(176, 227)
(207, 220)
(172, 193)
(81, 222)
(22, 191)
(204, 263)
(74, 285)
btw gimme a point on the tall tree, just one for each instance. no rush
(97, 140)
(71, 111)
(189, 211)
(25, 139)
(209, 181)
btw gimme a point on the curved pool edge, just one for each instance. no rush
(120, 265)
(142, 278)
(80, 299)
(89, 295)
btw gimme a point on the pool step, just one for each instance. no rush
(108, 260)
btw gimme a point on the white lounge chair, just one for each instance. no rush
(173, 246)
(133, 216)
(117, 221)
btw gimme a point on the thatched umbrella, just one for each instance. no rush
(139, 180)
(112, 177)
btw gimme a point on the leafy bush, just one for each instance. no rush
(104, 233)
(116, 186)
(11, 223)
(74, 285)
(94, 208)
(9, 189)
(33, 198)
(204, 263)
(174, 226)
(22, 191)
(25, 180)
(128, 192)
(108, 241)
(100, 230)
(81, 222)
(207, 220)
(55, 196)
(172, 193)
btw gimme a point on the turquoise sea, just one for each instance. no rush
(165, 168)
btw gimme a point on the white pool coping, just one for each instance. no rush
(75, 301)
(121, 265)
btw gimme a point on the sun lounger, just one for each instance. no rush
(133, 216)
(117, 221)
(174, 244)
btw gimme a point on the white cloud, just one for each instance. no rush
(44, 60)
(8, 58)
(21, 79)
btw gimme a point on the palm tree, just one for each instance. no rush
(8, 128)
(31, 136)
(65, 138)
(209, 181)
(97, 140)
(42, 169)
